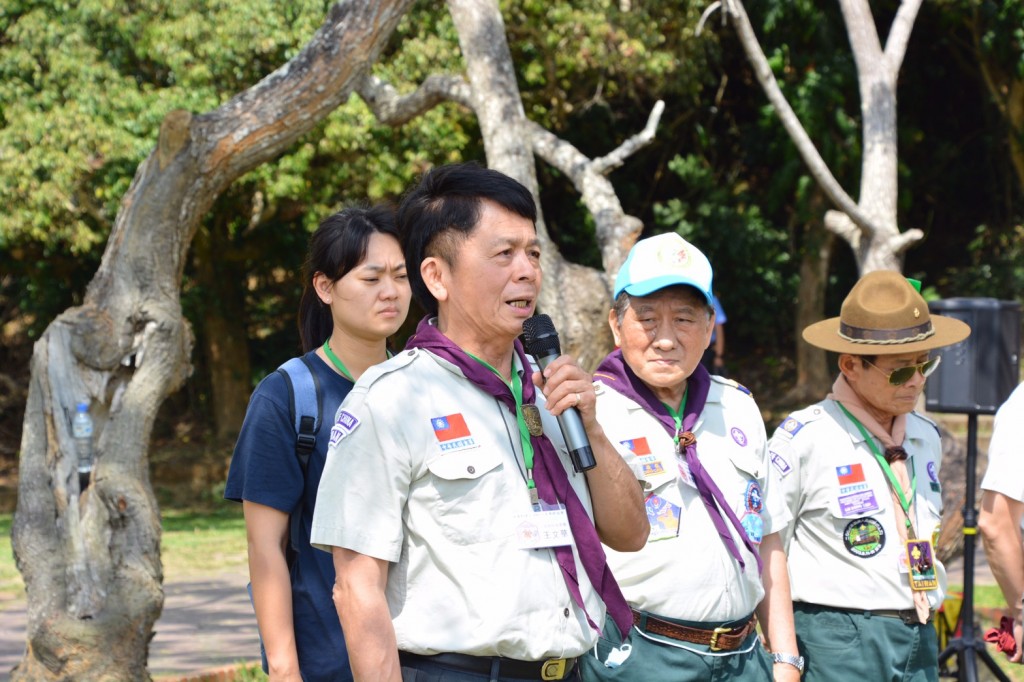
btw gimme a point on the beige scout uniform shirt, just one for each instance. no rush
(426, 471)
(692, 576)
(844, 547)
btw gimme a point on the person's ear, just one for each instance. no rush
(323, 285)
(849, 365)
(435, 273)
(613, 323)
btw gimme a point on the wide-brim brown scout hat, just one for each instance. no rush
(885, 315)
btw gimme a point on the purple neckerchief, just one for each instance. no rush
(614, 373)
(549, 476)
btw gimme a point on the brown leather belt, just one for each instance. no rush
(552, 669)
(716, 639)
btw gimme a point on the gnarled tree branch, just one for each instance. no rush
(817, 166)
(393, 109)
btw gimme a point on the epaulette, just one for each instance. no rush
(730, 382)
(392, 364)
(792, 424)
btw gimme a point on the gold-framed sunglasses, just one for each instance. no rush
(901, 375)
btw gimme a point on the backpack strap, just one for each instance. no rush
(305, 406)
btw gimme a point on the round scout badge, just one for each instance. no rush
(864, 537)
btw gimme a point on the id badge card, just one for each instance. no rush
(921, 562)
(544, 526)
(684, 472)
(664, 518)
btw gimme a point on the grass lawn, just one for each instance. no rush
(988, 605)
(203, 542)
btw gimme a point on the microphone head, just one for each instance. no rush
(540, 337)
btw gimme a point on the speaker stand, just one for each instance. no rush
(967, 647)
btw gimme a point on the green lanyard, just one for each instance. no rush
(677, 416)
(516, 386)
(336, 361)
(904, 502)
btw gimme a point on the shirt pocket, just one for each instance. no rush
(469, 486)
(747, 463)
(749, 506)
(653, 471)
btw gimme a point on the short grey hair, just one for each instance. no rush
(622, 302)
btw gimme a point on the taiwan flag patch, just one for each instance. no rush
(452, 432)
(849, 474)
(639, 446)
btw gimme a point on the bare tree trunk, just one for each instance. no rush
(90, 560)
(224, 338)
(576, 297)
(813, 376)
(870, 226)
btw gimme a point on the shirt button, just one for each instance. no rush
(566, 612)
(471, 470)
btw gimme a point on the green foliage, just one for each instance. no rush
(749, 254)
(820, 83)
(84, 87)
(996, 265)
(1000, 26)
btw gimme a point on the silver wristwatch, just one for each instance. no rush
(795, 661)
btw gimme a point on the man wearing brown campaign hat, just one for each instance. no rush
(860, 474)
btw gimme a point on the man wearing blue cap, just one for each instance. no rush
(698, 445)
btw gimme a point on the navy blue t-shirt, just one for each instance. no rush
(265, 470)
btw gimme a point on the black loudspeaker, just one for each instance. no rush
(978, 374)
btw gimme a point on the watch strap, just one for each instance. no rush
(792, 659)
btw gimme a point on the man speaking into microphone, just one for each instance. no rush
(464, 541)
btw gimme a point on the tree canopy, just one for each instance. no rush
(84, 87)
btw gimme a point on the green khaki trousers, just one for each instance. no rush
(656, 658)
(848, 645)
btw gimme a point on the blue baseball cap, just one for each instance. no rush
(663, 261)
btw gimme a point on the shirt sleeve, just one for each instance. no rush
(365, 484)
(264, 467)
(778, 517)
(785, 476)
(1005, 472)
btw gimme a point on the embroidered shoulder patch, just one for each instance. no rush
(780, 463)
(345, 424)
(790, 426)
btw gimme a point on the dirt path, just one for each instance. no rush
(207, 624)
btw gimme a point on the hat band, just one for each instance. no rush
(886, 336)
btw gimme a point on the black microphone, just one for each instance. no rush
(542, 343)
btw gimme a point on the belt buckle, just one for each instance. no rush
(553, 669)
(713, 644)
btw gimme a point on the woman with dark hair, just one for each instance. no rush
(356, 295)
